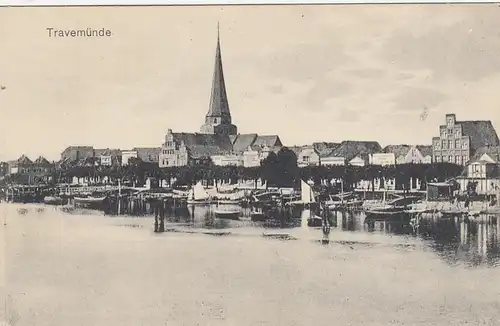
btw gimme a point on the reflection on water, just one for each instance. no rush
(457, 241)
(454, 240)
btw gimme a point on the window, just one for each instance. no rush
(450, 143)
(450, 122)
(443, 134)
(464, 158)
(450, 132)
(457, 133)
(457, 143)
(437, 145)
(465, 145)
(444, 143)
(450, 158)
(305, 158)
(457, 159)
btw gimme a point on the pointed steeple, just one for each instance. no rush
(218, 117)
(219, 105)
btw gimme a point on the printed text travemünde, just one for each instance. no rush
(88, 32)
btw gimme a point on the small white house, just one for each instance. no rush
(127, 155)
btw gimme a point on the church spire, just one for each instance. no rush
(218, 118)
(219, 105)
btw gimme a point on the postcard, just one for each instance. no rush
(250, 165)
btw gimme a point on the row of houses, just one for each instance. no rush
(361, 153)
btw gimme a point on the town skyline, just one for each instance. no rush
(356, 85)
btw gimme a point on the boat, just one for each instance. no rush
(306, 195)
(228, 202)
(198, 195)
(53, 200)
(232, 214)
(396, 207)
(89, 200)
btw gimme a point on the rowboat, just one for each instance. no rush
(228, 214)
(53, 200)
(89, 200)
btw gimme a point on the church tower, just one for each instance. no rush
(218, 118)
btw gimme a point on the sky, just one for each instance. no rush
(387, 73)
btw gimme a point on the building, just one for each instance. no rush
(76, 153)
(307, 156)
(218, 138)
(108, 157)
(148, 154)
(383, 159)
(127, 155)
(484, 173)
(459, 140)
(31, 171)
(357, 152)
(405, 154)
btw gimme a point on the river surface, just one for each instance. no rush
(89, 269)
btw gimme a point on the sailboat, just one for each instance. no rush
(198, 195)
(308, 200)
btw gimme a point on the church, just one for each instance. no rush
(218, 138)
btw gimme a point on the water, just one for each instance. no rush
(90, 269)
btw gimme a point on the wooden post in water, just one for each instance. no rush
(119, 196)
(155, 209)
(162, 216)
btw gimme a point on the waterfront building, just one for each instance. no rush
(28, 171)
(127, 155)
(459, 140)
(76, 153)
(307, 156)
(148, 154)
(218, 138)
(405, 154)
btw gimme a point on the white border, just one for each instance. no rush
(15, 3)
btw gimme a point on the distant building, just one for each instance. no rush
(108, 157)
(148, 154)
(76, 153)
(357, 152)
(459, 140)
(404, 154)
(127, 155)
(308, 156)
(383, 159)
(218, 138)
(32, 171)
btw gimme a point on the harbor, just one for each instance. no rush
(64, 261)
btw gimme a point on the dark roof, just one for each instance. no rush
(203, 145)
(219, 105)
(24, 160)
(296, 149)
(425, 150)
(241, 142)
(397, 150)
(147, 153)
(268, 140)
(42, 161)
(492, 151)
(325, 149)
(350, 149)
(481, 133)
(107, 151)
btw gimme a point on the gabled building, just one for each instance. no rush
(77, 152)
(355, 152)
(148, 154)
(458, 141)
(218, 138)
(404, 154)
